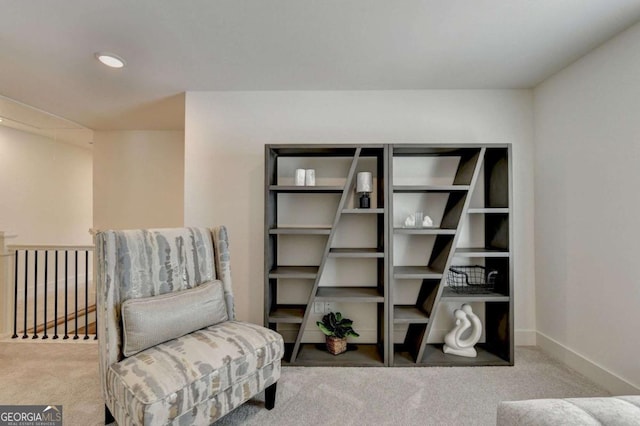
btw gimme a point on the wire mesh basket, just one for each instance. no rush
(471, 279)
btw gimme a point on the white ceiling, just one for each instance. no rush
(47, 48)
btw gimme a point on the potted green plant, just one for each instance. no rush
(336, 329)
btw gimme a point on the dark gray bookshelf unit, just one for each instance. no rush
(408, 264)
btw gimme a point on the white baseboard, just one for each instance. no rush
(608, 380)
(525, 337)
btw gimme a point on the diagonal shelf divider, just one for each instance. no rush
(464, 171)
(343, 199)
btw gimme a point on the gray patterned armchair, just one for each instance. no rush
(171, 351)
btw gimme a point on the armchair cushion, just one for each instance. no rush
(233, 359)
(148, 321)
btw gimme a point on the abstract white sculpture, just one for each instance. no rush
(453, 342)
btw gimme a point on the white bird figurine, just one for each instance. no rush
(410, 221)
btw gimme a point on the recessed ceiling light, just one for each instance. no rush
(110, 60)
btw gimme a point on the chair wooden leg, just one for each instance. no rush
(270, 396)
(108, 417)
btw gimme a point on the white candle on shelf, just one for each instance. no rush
(310, 177)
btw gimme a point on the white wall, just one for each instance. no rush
(225, 134)
(138, 179)
(587, 172)
(45, 189)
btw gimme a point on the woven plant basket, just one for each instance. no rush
(336, 345)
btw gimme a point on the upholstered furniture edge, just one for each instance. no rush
(617, 410)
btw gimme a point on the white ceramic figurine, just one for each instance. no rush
(454, 343)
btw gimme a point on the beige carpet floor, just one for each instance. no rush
(43, 373)
(67, 374)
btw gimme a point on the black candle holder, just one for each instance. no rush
(365, 201)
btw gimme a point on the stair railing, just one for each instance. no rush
(50, 291)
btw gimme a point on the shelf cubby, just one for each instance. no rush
(409, 315)
(374, 210)
(413, 272)
(349, 294)
(424, 231)
(449, 295)
(488, 210)
(431, 188)
(434, 357)
(287, 314)
(300, 230)
(481, 252)
(357, 355)
(310, 272)
(307, 189)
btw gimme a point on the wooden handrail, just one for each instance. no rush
(47, 247)
(61, 320)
